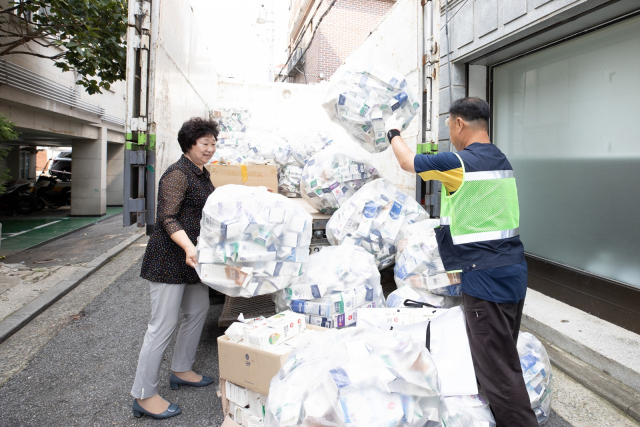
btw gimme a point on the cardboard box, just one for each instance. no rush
(228, 422)
(250, 367)
(251, 175)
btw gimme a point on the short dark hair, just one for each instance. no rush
(195, 129)
(471, 109)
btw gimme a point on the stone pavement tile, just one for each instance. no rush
(582, 408)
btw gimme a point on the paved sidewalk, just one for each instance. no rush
(31, 280)
(25, 231)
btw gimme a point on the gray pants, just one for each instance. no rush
(166, 300)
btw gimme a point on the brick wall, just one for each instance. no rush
(41, 160)
(346, 26)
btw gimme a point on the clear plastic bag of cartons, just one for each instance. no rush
(361, 99)
(357, 377)
(536, 369)
(252, 242)
(301, 147)
(419, 265)
(373, 217)
(468, 411)
(305, 145)
(266, 145)
(332, 176)
(336, 282)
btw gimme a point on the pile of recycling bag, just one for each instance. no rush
(403, 360)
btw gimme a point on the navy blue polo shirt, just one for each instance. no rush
(494, 270)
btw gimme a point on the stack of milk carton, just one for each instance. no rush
(279, 334)
(246, 407)
(251, 242)
(373, 217)
(336, 282)
(331, 177)
(363, 98)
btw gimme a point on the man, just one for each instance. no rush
(479, 237)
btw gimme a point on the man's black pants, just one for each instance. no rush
(492, 329)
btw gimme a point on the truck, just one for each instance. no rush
(171, 77)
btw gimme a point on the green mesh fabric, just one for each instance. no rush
(481, 206)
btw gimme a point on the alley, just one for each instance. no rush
(74, 364)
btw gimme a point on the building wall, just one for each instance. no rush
(342, 30)
(479, 27)
(346, 26)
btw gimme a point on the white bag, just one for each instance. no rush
(252, 242)
(468, 411)
(356, 377)
(332, 176)
(372, 219)
(362, 99)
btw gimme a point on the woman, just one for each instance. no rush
(168, 264)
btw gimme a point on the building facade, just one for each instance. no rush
(562, 77)
(49, 109)
(315, 57)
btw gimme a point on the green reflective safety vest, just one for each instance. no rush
(485, 207)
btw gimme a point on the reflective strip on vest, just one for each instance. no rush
(445, 220)
(479, 176)
(485, 236)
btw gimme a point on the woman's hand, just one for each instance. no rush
(192, 256)
(180, 237)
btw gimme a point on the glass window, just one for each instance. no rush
(568, 120)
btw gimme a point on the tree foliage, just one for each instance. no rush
(6, 134)
(88, 36)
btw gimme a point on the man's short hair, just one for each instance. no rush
(194, 129)
(471, 109)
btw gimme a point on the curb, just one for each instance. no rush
(613, 368)
(613, 391)
(15, 321)
(53, 239)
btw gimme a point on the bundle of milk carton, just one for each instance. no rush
(372, 219)
(419, 272)
(301, 148)
(332, 176)
(361, 100)
(251, 242)
(336, 282)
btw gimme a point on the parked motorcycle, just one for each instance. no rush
(17, 197)
(48, 197)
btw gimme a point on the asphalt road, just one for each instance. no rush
(83, 376)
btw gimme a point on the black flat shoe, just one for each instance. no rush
(171, 411)
(174, 382)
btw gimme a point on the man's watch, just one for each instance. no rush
(392, 134)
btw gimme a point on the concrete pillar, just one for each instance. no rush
(89, 176)
(115, 172)
(13, 162)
